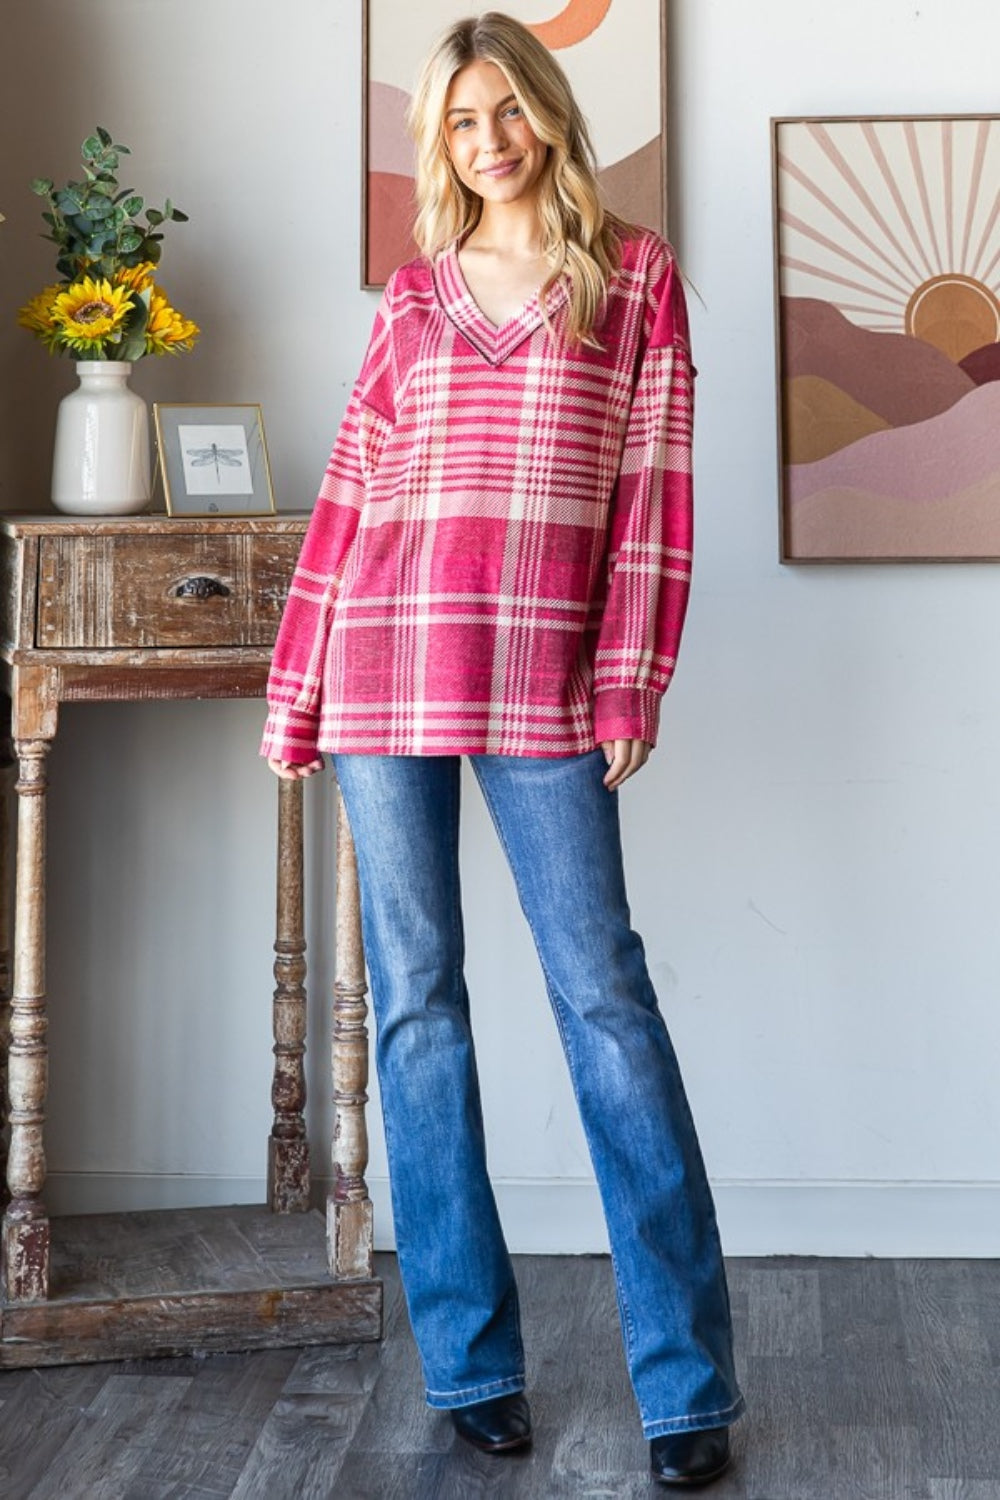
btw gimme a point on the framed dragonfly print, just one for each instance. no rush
(213, 460)
(614, 53)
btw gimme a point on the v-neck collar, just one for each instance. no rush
(495, 342)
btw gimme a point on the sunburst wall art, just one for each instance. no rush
(613, 52)
(888, 281)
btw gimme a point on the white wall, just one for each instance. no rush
(813, 851)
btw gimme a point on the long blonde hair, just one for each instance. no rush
(579, 236)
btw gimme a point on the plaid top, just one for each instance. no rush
(499, 558)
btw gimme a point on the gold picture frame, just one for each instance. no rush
(213, 459)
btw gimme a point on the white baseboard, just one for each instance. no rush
(122, 1192)
(564, 1217)
(762, 1218)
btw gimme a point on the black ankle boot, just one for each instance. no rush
(496, 1426)
(690, 1458)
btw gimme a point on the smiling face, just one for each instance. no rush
(493, 149)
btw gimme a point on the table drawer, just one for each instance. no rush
(189, 589)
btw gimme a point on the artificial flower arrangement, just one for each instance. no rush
(107, 306)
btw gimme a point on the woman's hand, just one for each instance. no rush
(292, 770)
(624, 758)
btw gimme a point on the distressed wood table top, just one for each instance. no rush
(139, 607)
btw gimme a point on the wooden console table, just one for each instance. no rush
(139, 608)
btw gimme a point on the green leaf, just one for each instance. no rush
(129, 241)
(68, 202)
(154, 216)
(178, 217)
(91, 148)
(100, 208)
(42, 186)
(103, 136)
(133, 205)
(133, 345)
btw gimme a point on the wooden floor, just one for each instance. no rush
(873, 1379)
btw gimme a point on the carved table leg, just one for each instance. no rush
(6, 763)
(287, 1147)
(26, 1224)
(348, 1208)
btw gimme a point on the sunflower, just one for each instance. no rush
(168, 331)
(136, 278)
(89, 315)
(36, 316)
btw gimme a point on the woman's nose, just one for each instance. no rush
(494, 138)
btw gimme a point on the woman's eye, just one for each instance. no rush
(461, 124)
(512, 112)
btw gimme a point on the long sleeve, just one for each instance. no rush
(295, 680)
(649, 552)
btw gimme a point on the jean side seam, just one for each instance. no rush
(705, 1188)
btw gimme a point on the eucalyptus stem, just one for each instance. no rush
(95, 223)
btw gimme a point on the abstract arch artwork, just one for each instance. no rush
(888, 280)
(614, 52)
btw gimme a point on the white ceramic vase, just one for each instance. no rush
(101, 462)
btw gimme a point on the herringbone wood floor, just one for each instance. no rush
(868, 1379)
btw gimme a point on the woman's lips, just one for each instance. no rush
(502, 169)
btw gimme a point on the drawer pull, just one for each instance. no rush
(200, 587)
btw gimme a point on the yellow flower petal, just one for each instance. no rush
(168, 331)
(36, 316)
(89, 314)
(136, 278)
(90, 317)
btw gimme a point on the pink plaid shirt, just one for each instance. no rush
(499, 558)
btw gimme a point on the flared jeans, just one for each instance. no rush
(559, 828)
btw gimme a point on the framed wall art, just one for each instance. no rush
(887, 236)
(213, 460)
(614, 53)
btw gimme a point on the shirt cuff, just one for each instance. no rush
(290, 736)
(627, 714)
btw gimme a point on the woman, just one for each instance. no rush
(497, 567)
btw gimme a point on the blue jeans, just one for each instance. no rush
(559, 828)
